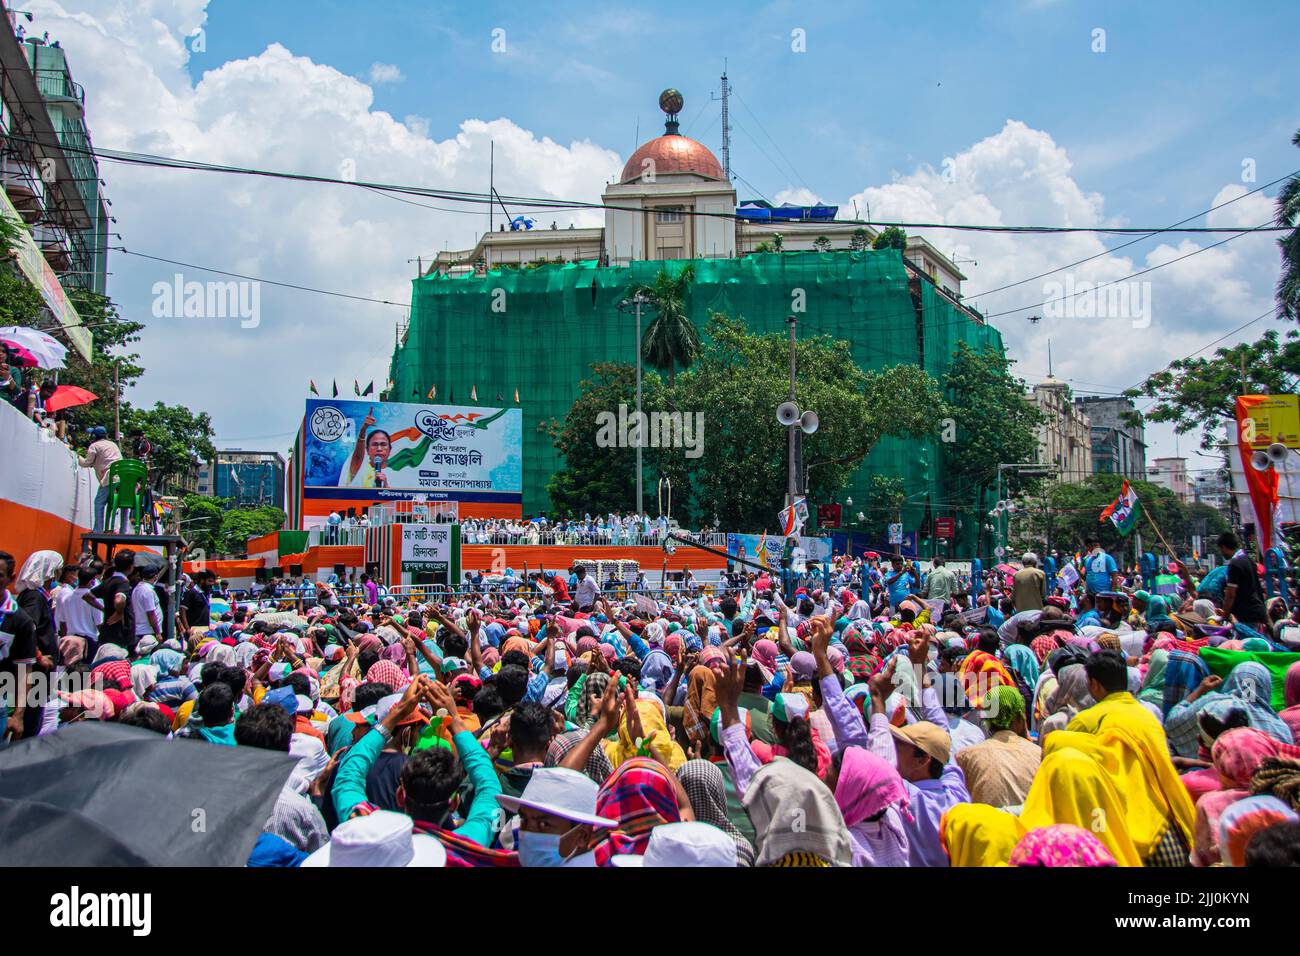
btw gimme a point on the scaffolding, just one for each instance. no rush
(536, 332)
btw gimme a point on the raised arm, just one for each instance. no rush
(606, 721)
(740, 755)
(359, 452)
(845, 720)
(480, 822)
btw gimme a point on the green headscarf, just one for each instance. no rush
(1007, 704)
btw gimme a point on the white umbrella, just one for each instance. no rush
(46, 349)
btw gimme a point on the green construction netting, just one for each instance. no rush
(560, 319)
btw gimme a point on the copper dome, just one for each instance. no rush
(673, 154)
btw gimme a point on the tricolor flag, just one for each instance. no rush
(369, 389)
(760, 553)
(516, 395)
(312, 383)
(336, 388)
(433, 391)
(473, 393)
(356, 387)
(1124, 511)
(795, 517)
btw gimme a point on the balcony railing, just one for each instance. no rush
(57, 84)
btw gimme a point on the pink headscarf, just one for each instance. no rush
(1237, 754)
(386, 672)
(673, 646)
(96, 704)
(765, 652)
(490, 656)
(713, 655)
(395, 653)
(836, 658)
(1063, 844)
(867, 785)
(115, 675)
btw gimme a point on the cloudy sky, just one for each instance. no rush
(1043, 112)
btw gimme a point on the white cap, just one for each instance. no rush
(562, 792)
(381, 838)
(684, 844)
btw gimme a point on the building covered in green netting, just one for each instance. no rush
(524, 315)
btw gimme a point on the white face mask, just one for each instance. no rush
(542, 849)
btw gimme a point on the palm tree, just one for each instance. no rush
(671, 339)
(1288, 215)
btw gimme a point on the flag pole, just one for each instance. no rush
(1147, 511)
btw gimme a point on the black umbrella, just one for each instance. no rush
(104, 794)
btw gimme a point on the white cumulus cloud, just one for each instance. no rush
(385, 73)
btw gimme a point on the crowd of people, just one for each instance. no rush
(864, 715)
(610, 529)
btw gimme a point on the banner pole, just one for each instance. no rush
(1156, 528)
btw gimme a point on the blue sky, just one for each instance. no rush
(1182, 93)
(1042, 130)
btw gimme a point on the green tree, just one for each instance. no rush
(671, 340)
(240, 524)
(822, 244)
(111, 332)
(180, 439)
(1074, 508)
(991, 424)
(740, 378)
(201, 518)
(891, 237)
(1288, 215)
(599, 476)
(1201, 393)
(859, 240)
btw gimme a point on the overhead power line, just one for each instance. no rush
(536, 202)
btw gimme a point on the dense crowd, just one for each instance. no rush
(868, 715)
(611, 529)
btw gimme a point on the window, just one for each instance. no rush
(670, 252)
(668, 214)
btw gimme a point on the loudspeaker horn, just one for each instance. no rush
(787, 413)
(808, 422)
(1260, 461)
(1277, 452)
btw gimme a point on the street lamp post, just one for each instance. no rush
(1003, 507)
(792, 431)
(636, 302)
(794, 421)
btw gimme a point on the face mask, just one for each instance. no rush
(541, 849)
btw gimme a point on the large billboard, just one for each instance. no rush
(388, 450)
(805, 550)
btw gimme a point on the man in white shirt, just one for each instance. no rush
(76, 617)
(100, 455)
(145, 608)
(587, 590)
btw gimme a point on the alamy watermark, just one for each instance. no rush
(231, 299)
(626, 429)
(1098, 300)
